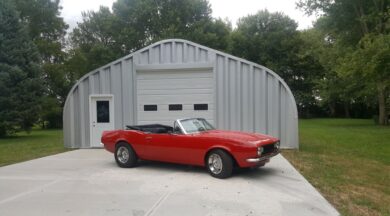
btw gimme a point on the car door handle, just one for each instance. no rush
(148, 138)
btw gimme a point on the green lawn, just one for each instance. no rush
(348, 161)
(23, 146)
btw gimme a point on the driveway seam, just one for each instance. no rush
(156, 205)
(28, 192)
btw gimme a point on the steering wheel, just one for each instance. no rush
(201, 129)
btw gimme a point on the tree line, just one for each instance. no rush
(338, 68)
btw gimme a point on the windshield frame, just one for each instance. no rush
(179, 121)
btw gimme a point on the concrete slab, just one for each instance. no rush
(88, 182)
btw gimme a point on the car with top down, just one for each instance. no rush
(192, 141)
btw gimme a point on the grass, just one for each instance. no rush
(23, 146)
(348, 161)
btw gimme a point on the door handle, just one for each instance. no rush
(148, 138)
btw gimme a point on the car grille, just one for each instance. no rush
(267, 149)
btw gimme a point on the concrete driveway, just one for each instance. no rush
(88, 182)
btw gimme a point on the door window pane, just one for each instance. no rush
(150, 107)
(201, 106)
(175, 107)
(103, 111)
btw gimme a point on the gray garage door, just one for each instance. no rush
(163, 96)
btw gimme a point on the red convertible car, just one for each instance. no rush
(191, 141)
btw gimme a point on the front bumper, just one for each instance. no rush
(262, 158)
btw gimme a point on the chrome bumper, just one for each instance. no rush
(263, 158)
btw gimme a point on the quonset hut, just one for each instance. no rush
(174, 79)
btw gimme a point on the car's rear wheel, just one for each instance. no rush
(219, 164)
(125, 155)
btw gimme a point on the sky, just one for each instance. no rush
(230, 9)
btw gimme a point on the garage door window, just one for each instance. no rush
(201, 107)
(150, 107)
(175, 107)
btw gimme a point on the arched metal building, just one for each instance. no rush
(174, 79)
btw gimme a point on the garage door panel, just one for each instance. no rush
(175, 99)
(163, 88)
(149, 116)
(174, 84)
(169, 123)
(143, 122)
(183, 91)
(158, 75)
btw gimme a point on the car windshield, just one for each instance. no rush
(196, 125)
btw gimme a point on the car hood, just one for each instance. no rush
(238, 136)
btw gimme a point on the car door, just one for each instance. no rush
(186, 149)
(173, 147)
(157, 147)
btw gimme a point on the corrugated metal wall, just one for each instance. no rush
(248, 96)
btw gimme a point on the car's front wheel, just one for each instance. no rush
(219, 164)
(125, 155)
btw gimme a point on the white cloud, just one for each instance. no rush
(71, 9)
(231, 9)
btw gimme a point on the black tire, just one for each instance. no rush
(125, 156)
(213, 160)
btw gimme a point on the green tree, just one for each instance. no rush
(51, 113)
(349, 23)
(370, 63)
(47, 30)
(331, 89)
(104, 36)
(272, 40)
(95, 41)
(267, 38)
(58, 81)
(214, 33)
(45, 26)
(20, 86)
(350, 20)
(145, 21)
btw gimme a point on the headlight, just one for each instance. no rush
(260, 151)
(277, 145)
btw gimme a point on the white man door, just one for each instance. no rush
(101, 117)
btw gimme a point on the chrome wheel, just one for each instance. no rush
(123, 154)
(215, 163)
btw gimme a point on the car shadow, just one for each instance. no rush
(155, 165)
(254, 173)
(247, 173)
